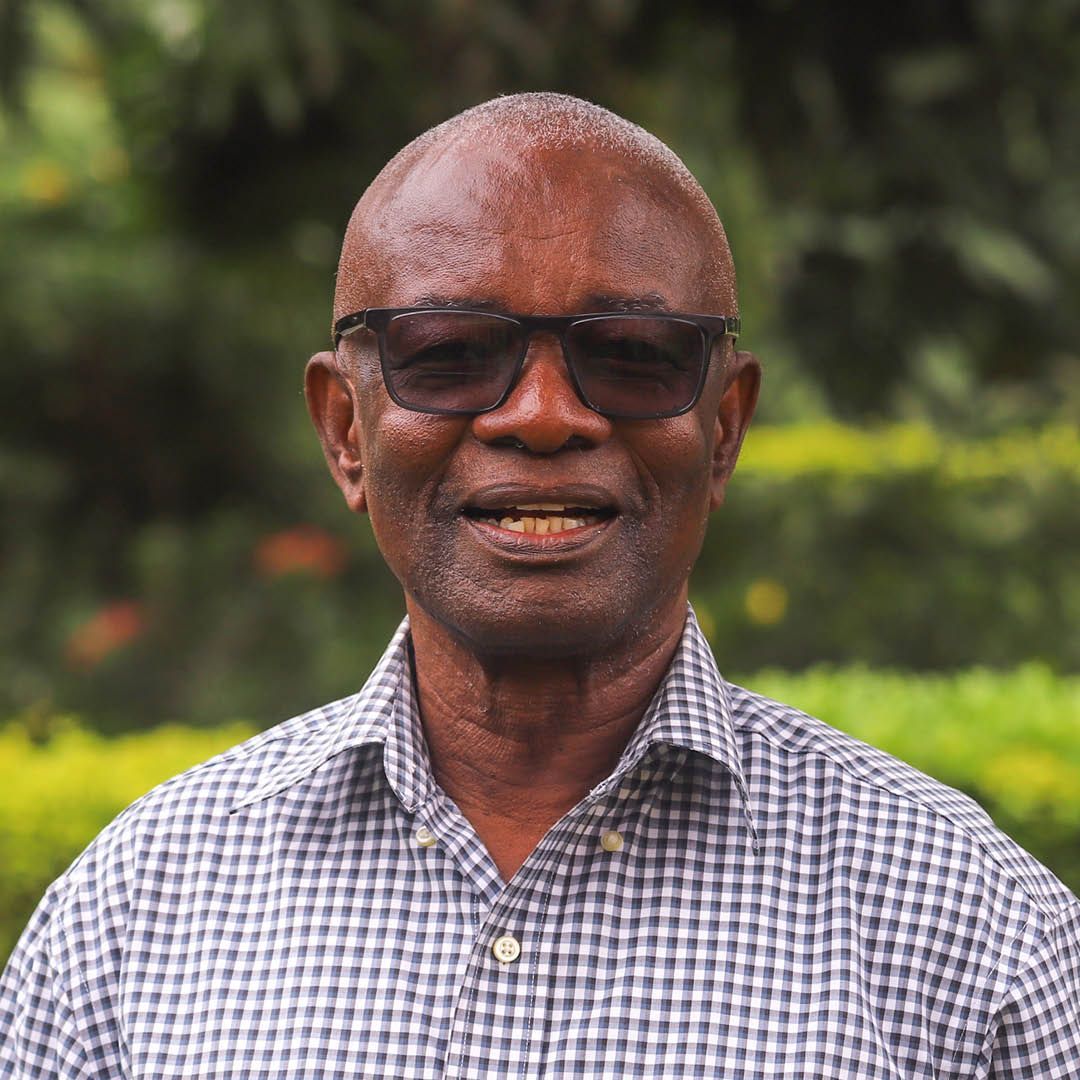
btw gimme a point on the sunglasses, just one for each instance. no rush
(632, 366)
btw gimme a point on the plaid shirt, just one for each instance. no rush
(749, 894)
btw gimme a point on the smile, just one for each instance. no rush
(525, 521)
(539, 519)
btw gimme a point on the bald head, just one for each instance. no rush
(546, 155)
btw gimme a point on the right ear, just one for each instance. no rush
(335, 414)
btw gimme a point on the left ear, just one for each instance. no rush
(741, 383)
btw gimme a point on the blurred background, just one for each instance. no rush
(901, 185)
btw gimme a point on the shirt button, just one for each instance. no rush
(611, 841)
(425, 837)
(506, 949)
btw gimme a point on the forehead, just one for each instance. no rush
(529, 230)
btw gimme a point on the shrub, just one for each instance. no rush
(896, 548)
(64, 785)
(825, 448)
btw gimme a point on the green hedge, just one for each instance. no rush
(63, 784)
(896, 547)
(1012, 740)
(826, 448)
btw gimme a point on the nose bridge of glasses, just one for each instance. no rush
(544, 336)
(544, 379)
(543, 410)
(546, 371)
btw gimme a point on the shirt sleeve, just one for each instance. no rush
(40, 1032)
(1038, 1031)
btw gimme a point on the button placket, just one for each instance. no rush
(509, 950)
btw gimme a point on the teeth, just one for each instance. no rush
(550, 507)
(538, 525)
(544, 526)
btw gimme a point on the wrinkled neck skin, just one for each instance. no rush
(517, 741)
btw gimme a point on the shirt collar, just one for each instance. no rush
(691, 710)
(365, 719)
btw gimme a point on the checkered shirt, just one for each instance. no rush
(784, 902)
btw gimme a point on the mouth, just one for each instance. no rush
(539, 519)
(521, 520)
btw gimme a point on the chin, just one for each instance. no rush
(547, 628)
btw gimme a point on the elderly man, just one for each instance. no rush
(546, 838)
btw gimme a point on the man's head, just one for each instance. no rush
(536, 204)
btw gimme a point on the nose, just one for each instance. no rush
(543, 413)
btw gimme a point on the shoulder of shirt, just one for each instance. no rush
(285, 753)
(207, 789)
(792, 733)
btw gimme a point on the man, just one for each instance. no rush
(546, 838)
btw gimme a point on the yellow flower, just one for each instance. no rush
(46, 182)
(766, 602)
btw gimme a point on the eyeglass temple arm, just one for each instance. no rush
(349, 323)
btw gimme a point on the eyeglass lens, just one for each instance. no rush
(636, 366)
(623, 365)
(457, 361)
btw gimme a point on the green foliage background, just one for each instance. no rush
(901, 186)
(901, 192)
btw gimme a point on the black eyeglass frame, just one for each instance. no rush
(377, 320)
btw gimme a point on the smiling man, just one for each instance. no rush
(546, 838)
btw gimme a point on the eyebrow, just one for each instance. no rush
(645, 302)
(465, 303)
(593, 302)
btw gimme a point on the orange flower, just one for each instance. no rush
(107, 630)
(303, 549)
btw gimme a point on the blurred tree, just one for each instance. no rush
(900, 186)
(931, 154)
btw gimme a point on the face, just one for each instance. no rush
(548, 232)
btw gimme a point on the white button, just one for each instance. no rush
(425, 837)
(506, 949)
(611, 841)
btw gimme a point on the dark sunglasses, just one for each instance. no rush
(633, 366)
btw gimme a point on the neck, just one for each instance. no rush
(517, 741)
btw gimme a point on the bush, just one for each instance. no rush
(896, 548)
(802, 450)
(1011, 740)
(63, 784)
